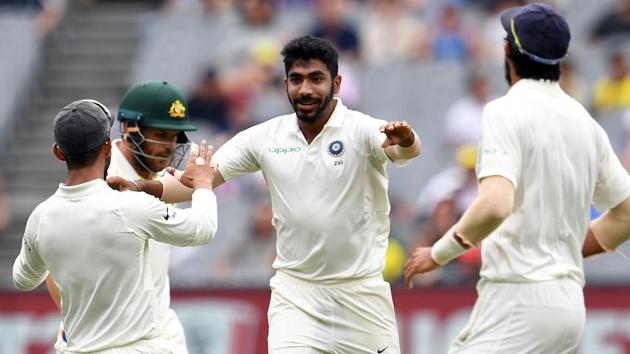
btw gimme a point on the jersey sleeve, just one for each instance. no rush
(238, 156)
(148, 217)
(500, 147)
(371, 137)
(29, 269)
(613, 183)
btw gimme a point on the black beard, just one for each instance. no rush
(318, 112)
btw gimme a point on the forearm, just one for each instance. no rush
(591, 245)
(53, 291)
(153, 188)
(493, 204)
(403, 153)
(613, 227)
(480, 219)
(173, 191)
(206, 223)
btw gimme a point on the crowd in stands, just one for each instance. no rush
(225, 55)
(241, 86)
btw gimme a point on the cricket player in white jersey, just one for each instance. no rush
(94, 241)
(325, 167)
(153, 118)
(542, 162)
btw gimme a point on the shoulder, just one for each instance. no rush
(360, 120)
(271, 125)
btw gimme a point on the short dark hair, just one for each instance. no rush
(529, 69)
(83, 160)
(307, 48)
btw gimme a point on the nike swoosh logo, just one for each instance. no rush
(379, 351)
(166, 216)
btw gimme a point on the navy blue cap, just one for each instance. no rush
(537, 31)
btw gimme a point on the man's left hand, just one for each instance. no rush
(398, 133)
(420, 262)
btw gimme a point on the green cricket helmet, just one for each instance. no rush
(155, 104)
(158, 105)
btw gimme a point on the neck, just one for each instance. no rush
(83, 175)
(311, 129)
(514, 78)
(129, 156)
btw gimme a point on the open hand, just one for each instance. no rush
(420, 262)
(398, 133)
(199, 171)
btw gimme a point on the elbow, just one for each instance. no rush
(21, 285)
(498, 210)
(205, 234)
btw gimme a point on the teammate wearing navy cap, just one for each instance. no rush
(94, 242)
(542, 162)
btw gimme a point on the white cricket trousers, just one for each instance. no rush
(524, 318)
(354, 317)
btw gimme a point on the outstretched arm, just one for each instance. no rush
(401, 143)
(608, 231)
(493, 205)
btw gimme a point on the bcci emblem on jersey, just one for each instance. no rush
(336, 148)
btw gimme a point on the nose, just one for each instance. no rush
(305, 89)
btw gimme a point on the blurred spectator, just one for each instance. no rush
(451, 41)
(463, 118)
(32, 5)
(208, 105)
(492, 33)
(614, 23)
(572, 83)
(332, 25)
(48, 12)
(440, 204)
(251, 262)
(389, 34)
(256, 13)
(613, 91)
(254, 89)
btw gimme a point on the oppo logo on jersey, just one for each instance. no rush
(281, 150)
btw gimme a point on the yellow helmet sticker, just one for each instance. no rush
(177, 110)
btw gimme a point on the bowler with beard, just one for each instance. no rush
(93, 241)
(325, 167)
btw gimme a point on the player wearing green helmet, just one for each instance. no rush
(154, 119)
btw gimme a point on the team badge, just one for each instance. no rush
(177, 110)
(336, 148)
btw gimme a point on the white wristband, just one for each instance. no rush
(447, 248)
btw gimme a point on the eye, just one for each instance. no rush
(318, 79)
(294, 80)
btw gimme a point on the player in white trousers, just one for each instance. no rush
(542, 162)
(93, 240)
(325, 167)
(153, 117)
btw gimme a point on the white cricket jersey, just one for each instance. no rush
(329, 198)
(159, 252)
(93, 240)
(560, 162)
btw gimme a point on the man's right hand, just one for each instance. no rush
(121, 184)
(199, 171)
